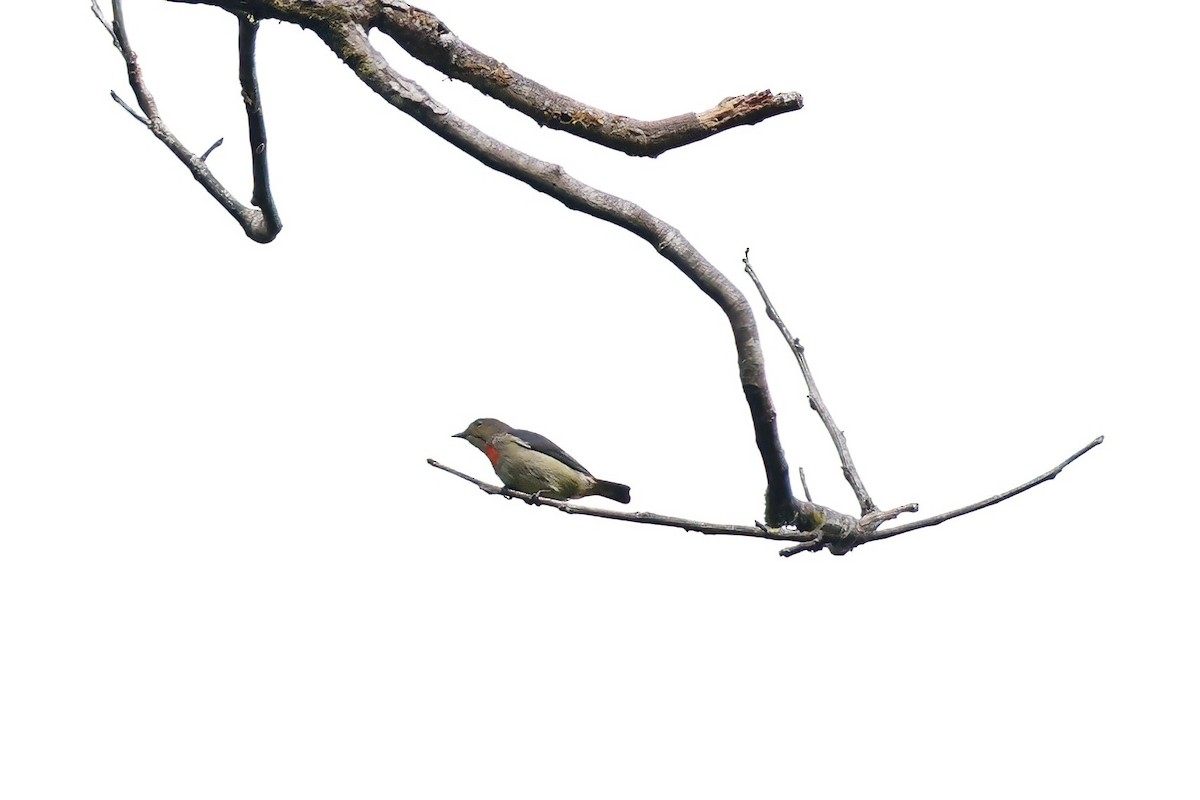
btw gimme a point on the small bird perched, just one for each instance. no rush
(531, 463)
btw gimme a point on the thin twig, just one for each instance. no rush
(804, 485)
(133, 112)
(865, 503)
(991, 501)
(212, 147)
(757, 530)
(252, 220)
(802, 547)
(107, 25)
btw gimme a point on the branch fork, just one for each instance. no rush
(260, 221)
(829, 529)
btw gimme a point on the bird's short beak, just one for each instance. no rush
(461, 435)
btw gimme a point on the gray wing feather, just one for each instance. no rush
(535, 441)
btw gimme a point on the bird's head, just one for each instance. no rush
(480, 432)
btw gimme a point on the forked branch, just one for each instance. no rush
(849, 471)
(430, 40)
(867, 527)
(836, 532)
(261, 224)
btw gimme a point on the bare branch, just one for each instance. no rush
(343, 27)
(258, 227)
(866, 504)
(991, 501)
(428, 39)
(351, 44)
(645, 517)
(248, 75)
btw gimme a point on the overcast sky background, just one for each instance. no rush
(226, 570)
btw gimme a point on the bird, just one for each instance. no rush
(531, 463)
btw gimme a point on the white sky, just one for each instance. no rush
(226, 571)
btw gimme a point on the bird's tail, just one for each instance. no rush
(613, 491)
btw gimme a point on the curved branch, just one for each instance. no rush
(248, 75)
(428, 39)
(349, 41)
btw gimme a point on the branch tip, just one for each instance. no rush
(428, 39)
(212, 147)
(938, 519)
(107, 25)
(804, 485)
(132, 111)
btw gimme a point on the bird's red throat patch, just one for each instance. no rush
(492, 453)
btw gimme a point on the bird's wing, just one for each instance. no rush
(535, 441)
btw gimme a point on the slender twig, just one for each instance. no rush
(428, 39)
(107, 25)
(804, 485)
(991, 501)
(866, 531)
(757, 530)
(253, 222)
(133, 112)
(792, 550)
(212, 147)
(865, 503)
